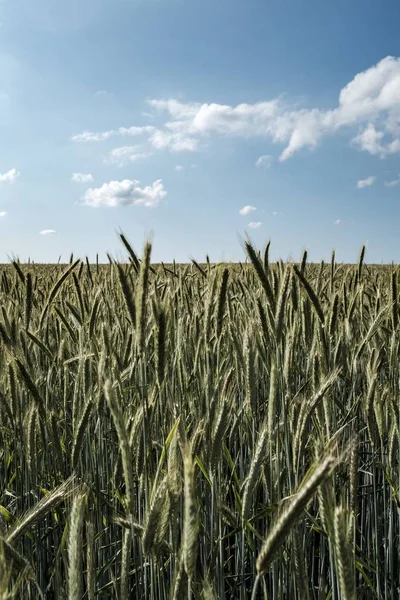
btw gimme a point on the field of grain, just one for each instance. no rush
(201, 431)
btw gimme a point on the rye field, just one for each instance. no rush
(199, 431)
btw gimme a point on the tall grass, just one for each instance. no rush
(199, 431)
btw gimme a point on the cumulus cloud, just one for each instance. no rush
(264, 161)
(255, 225)
(247, 210)
(176, 141)
(125, 193)
(363, 183)
(9, 177)
(178, 168)
(372, 95)
(243, 120)
(48, 232)
(3, 213)
(337, 222)
(263, 119)
(370, 101)
(126, 154)
(100, 93)
(277, 213)
(82, 177)
(371, 141)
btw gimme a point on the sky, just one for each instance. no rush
(199, 123)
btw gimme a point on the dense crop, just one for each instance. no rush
(201, 431)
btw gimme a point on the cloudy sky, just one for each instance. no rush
(200, 122)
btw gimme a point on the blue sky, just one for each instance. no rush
(198, 122)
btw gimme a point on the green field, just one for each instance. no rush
(199, 431)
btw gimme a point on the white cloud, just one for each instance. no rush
(370, 140)
(100, 93)
(179, 168)
(337, 222)
(243, 119)
(82, 177)
(100, 136)
(372, 95)
(135, 130)
(169, 139)
(175, 141)
(263, 119)
(125, 193)
(277, 213)
(47, 232)
(370, 101)
(126, 154)
(255, 225)
(3, 213)
(10, 176)
(264, 161)
(178, 110)
(90, 136)
(363, 183)
(247, 210)
(392, 183)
